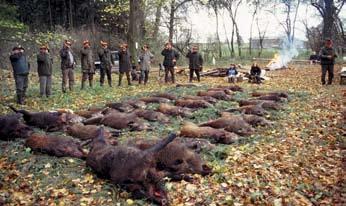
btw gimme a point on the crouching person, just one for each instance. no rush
(21, 68)
(44, 70)
(232, 74)
(87, 64)
(255, 74)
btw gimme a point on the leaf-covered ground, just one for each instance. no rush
(297, 162)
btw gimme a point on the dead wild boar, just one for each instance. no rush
(55, 145)
(137, 104)
(91, 112)
(177, 160)
(119, 120)
(193, 104)
(191, 130)
(266, 104)
(197, 144)
(270, 98)
(231, 124)
(121, 107)
(250, 109)
(129, 167)
(11, 127)
(85, 132)
(220, 95)
(174, 110)
(279, 94)
(158, 100)
(152, 115)
(225, 90)
(209, 99)
(187, 85)
(253, 120)
(49, 121)
(165, 95)
(234, 88)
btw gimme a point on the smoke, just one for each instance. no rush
(288, 51)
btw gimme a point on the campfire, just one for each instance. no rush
(276, 63)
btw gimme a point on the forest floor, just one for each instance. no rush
(296, 162)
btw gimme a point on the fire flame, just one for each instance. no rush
(275, 63)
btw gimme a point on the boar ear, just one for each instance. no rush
(63, 118)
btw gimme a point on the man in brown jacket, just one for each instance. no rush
(44, 70)
(87, 64)
(68, 62)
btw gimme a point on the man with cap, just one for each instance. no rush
(68, 62)
(145, 60)
(124, 63)
(87, 64)
(170, 60)
(106, 63)
(21, 68)
(195, 62)
(44, 70)
(327, 55)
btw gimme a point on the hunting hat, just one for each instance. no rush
(19, 47)
(86, 42)
(68, 42)
(168, 43)
(44, 46)
(103, 42)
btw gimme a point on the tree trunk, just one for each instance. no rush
(217, 31)
(328, 20)
(133, 34)
(50, 16)
(227, 40)
(251, 28)
(232, 41)
(171, 21)
(157, 20)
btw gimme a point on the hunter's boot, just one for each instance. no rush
(120, 78)
(83, 84)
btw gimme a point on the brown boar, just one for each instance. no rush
(11, 127)
(250, 109)
(191, 130)
(130, 167)
(187, 85)
(270, 98)
(85, 132)
(209, 99)
(193, 104)
(225, 90)
(231, 124)
(123, 120)
(49, 121)
(55, 145)
(166, 95)
(279, 94)
(197, 144)
(234, 88)
(137, 104)
(220, 95)
(174, 110)
(152, 115)
(91, 112)
(177, 160)
(158, 100)
(253, 120)
(121, 107)
(266, 104)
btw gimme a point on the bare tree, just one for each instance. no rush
(255, 5)
(175, 5)
(261, 35)
(133, 35)
(215, 6)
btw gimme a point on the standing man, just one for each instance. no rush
(195, 62)
(106, 63)
(68, 62)
(145, 60)
(169, 61)
(21, 68)
(44, 70)
(327, 55)
(124, 63)
(87, 64)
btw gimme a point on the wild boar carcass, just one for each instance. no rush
(174, 110)
(11, 127)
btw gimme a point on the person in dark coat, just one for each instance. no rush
(145, 64)
(170, 58)
(124, 63)
(21, 68)
(255, 74)
(195, 62)
(44, 70)
(106, 63)
(87, 64)
(68, 62)
(327, 55)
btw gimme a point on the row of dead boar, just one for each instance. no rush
(141, 165)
